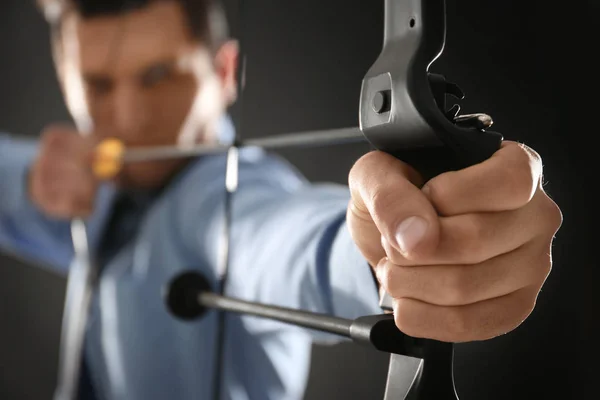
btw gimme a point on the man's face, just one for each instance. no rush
(141, 77)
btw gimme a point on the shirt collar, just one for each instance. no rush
(225, 129)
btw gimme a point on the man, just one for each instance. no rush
(464, 256)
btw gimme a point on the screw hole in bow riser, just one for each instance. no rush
(412, 22)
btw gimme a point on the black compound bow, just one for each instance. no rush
(402, 112)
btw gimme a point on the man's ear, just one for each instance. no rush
(226, 64)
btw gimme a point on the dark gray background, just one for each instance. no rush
(525, 63)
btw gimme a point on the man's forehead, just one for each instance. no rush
(127, 43)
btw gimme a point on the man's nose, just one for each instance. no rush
(131, 112)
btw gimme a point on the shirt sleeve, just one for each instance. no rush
(290, 246)
(24, 231)
(302, 256)
(15, 158)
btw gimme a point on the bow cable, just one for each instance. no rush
(231, 185)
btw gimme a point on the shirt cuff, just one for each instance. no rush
(16, 156)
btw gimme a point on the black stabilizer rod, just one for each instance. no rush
(320, 322)
(189, 297)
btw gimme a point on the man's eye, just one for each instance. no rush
(156, 75)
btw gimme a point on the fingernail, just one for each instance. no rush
(410, 232)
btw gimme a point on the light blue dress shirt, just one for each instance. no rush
(291, 247)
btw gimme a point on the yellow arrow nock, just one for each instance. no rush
(108, 159)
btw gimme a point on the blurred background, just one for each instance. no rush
(526, 63)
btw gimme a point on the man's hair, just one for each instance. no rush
(206, 19)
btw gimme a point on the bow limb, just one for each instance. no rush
(231, 185)
(80, 291)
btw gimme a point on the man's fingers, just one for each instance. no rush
(506, 181)
(58, 139)
(474, 238)
(458, 285)
(68, 189)
(79, 203)
(479, 321)
(385, 194)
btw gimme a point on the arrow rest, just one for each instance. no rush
(414, 124)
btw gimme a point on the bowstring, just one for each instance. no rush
(231, 182)
(82, 281)
(231, 185)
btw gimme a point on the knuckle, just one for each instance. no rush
(519, 183)
(471, 237)
(533, 157)
(386, 276)
(57, 137)
(396, 282)
(363, 163)
(510, 316)
(549, 214)
(368, 158)
(523, 173)
(523, 309)
(553, 214)
(381, 200)
(53, 138)
(440, 186)
(457, 289)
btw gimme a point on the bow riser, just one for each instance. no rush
(403, 112)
